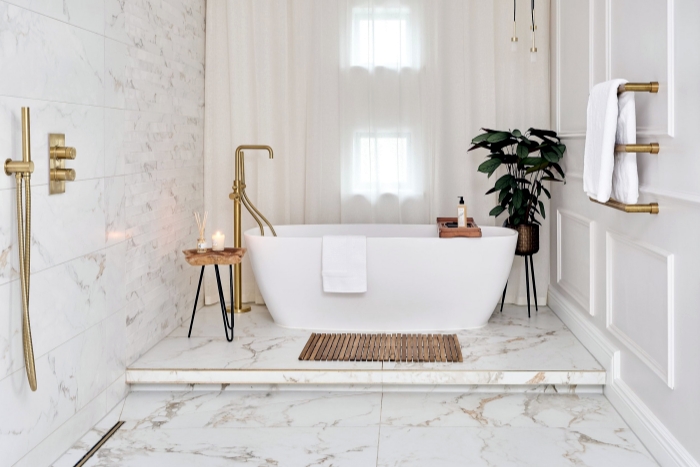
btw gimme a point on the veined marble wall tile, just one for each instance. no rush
(105, 361)
(43, 58)
(114, 277)
(68, 225)
(29, 417)
(115, 20)
(109, 279)
(87, 14)
(83, 126)
(115, 227)
(110, 400)
(115, 129)
(115, 74)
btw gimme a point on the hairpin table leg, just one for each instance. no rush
(534, 286)
(230, 283)
(227, 327)
(503, 298)
(527, 287)
(196, 299)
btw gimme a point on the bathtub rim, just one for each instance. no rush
(487, 231)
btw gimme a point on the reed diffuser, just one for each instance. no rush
(201, 224)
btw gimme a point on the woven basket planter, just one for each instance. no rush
(528, 239)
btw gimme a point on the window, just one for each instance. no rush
(381, 163)
(382, 37)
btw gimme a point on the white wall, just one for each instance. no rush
(627, 284)
(124, 80)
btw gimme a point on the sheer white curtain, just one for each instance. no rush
(369, 105)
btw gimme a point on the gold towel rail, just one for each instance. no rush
(651, 208)
(651, 148)
(652, 86)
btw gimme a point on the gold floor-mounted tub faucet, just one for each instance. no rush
(239, 196)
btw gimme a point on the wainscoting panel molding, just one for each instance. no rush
(640, 302)
(574, 257)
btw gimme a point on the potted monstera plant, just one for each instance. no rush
(529, 159)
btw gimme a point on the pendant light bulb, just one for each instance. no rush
(533, 28)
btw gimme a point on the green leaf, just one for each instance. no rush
(504, 181)
(517, 199)
(503, 195)
(550, 155)
(496, 211)
(522, 151)
(558, 168)
(542, 209)
(489, 166)
(480, 138)
(517, 133)
(492, 190)
(546, 192)
(532, 161)
(498, 137)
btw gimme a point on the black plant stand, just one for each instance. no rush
(228, 326)
(531, 267)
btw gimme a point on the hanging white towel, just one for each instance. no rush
(625, 182)
(599, 155)
(344, 264)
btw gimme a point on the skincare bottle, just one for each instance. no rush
(461, 213)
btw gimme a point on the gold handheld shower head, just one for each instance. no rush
(22, 170)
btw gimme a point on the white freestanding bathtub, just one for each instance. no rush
(415, 280)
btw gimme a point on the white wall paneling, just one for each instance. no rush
(574, 69)
(640, 302)
(574, 249)
(641, 48)
(643, 269)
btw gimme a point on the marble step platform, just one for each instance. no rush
(511, 354)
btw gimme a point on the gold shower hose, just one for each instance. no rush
(23, 239)
(23, 172)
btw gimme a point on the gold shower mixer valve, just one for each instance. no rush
(59, 153)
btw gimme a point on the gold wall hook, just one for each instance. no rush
(58, 155)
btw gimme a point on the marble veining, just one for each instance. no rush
(124, 80)
(303, 428)
(510, 350)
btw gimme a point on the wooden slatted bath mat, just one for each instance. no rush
(356, 347)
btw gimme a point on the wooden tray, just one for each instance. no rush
(472, 230)
(227, 256)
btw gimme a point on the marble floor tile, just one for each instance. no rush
(445, 409)
(509, 446)
(263, 352)
(289, 447)
(228, 409)
(335, 428)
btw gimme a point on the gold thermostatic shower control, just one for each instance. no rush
(58, 154)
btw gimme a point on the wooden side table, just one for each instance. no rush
(229, 256)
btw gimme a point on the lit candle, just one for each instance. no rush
(217, 241)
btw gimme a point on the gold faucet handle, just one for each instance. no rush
(63, 152)
(62, 175)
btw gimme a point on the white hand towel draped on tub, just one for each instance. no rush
(344, 264)
(610, 120)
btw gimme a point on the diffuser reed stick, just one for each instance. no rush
(201, 225)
